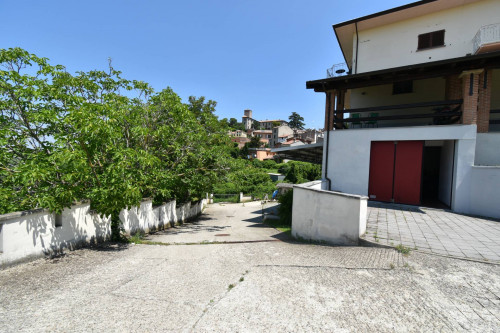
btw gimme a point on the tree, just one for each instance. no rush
(65, 138)
(254, 142)
(296, 121)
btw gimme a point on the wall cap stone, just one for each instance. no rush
(307, 186)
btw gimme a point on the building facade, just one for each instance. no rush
(415, 116)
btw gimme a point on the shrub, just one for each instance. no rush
(300, 172)
(285, 207)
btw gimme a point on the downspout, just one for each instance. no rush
(329, 104)
(357, 47)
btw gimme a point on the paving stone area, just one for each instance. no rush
(435, 231)
(269, 285)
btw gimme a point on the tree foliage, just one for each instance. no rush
(300, 172)
(295, 121)
(246, 177)
(97, 136)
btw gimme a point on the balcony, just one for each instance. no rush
(447, 112)
(337, 70)
(487, 39)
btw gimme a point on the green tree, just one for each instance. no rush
(296, 122)
(254, 142)
(68, 137)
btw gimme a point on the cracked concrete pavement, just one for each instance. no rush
(262, 282)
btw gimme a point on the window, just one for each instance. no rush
(430, 39)
(402, 87)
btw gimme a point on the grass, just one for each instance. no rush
(403, 249)
(231, 286)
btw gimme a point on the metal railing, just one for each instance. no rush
(487, 34)
(441, 112)
(337, 70)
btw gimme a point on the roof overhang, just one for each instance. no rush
(346, 30)
(306, 153)
(409, 72)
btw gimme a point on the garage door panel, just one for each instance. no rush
(381, 170)
(408, 172)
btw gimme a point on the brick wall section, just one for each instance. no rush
(340, 106)
(469, 106)
(453, 87)
(484, 102)
(331, 95)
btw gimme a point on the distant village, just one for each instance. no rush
(274, 133)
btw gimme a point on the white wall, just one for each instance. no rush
(485, 191)
(349, 156)
(446, 172)
(331, 217)
(395, 44)
(488, 149)
(24, 235)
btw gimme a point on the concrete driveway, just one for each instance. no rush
(255, 283)
(434, 231)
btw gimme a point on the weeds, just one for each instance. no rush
(403, 249)
(231, 286)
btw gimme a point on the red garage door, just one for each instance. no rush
(395, 171)
(381, 171)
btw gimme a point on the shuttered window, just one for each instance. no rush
(431, 39)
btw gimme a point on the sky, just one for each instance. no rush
(254, 55)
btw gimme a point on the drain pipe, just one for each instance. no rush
(329, 105)
(357, 46)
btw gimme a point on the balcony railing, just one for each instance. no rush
(441, 112)
(486, 35)
(337, 70)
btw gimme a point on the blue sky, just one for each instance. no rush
(243, 54)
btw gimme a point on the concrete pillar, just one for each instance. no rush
(484, 102)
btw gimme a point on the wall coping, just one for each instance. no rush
(463, 131)
(307, 186)
(486, 166)
(13, 215)
(10, 216)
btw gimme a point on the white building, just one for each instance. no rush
(248, 121)
(414, 115)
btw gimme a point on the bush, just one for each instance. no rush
(300, 172)
(285, 207)
(269, 164)
(245, 177)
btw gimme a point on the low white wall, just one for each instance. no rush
(30, 234)
(485, 190)
(24, 235)
(488, 149)
(332, 217)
